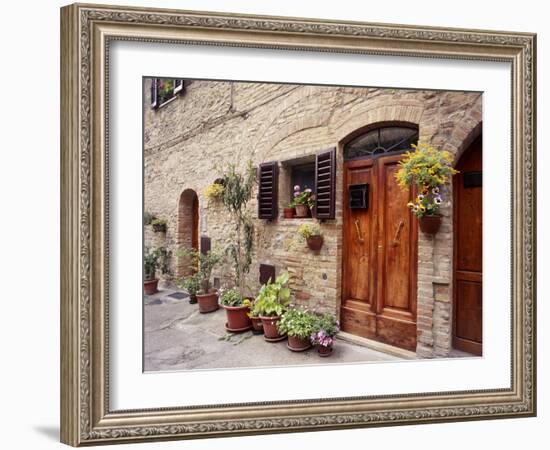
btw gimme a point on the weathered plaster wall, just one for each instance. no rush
(189, 140)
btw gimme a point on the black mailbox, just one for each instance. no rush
(359, 196)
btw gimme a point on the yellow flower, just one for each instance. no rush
(410, 205)
(421, 208)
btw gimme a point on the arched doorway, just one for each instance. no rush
(188, 228)
(380, 239)
(467, 254)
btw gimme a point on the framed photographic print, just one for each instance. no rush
(278, 224)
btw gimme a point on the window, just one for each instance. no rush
(164, 89)
(383, 140)
(303, 176)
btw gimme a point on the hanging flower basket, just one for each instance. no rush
(315, 242)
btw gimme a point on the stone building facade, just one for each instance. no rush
(211, 124)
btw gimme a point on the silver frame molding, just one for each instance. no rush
(86, 31)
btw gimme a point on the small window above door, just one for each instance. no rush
(382, 140)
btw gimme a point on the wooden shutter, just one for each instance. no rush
(325, 184)
(154, 93)
(268, 181)
(178, 86)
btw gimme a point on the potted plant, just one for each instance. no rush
(254, 314)
(312, 235)
(271, 302)
(325, 328)
(303, 201)
(192, 285)
(288, 212)
(237, 311)
(207, 297)
(298, 325)
(214, 191)
(429, 170)
(150, 265)
(159, 225)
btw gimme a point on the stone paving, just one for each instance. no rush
(178, 337)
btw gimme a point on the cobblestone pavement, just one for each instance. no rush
(178, 337)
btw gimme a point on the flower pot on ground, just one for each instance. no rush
(430, 224)
(150, 287)
(298, 324)
(288, 213)
(208, 302)
(303, 201)
(150, 266)
(429, 170)
(257, 325)
(325, 328)
(270, 304)
(207, 297)
(312, 235)
(254, 315)
(159, 225)
(236, 310)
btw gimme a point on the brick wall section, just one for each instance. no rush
(216, 123)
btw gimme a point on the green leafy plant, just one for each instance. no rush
(158, 222)
(231, 297)
(237, 192)
(150, 263)
(191, 284)
(430, 170)
(298, 323)
(165, 256)
(148, 218)
(273, 298)
(205, 262)
(165, 89)
(307, 230)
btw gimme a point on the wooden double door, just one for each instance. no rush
(379, 255)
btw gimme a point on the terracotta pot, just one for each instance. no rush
(257, 325)
(271, 334)
(150, 286)
(208, 302)
(193, 298)
(288, 213)
(237, 319)
(297, 344)
(315, 242)
(324, 351)
(430, 224)
(301, 210)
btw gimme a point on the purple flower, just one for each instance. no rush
(297, 187)
(308, 190)
(438, 200)
(435, 190)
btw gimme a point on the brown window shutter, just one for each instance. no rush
(178, 86)
(268, 185)
(325, 184)
(154, 93)
(206, 244)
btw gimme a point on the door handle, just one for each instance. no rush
(397, 233)
(359, 237)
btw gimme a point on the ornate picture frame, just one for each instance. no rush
(86, 34)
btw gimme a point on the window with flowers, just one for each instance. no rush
(164, 89)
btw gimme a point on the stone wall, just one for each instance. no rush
(188, 141)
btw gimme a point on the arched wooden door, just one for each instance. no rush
(188, 228)
(379, 255)
(468, 261)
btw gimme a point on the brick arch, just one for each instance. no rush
(187, 234)
(400, 112)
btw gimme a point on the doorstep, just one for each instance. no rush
(375, 345)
